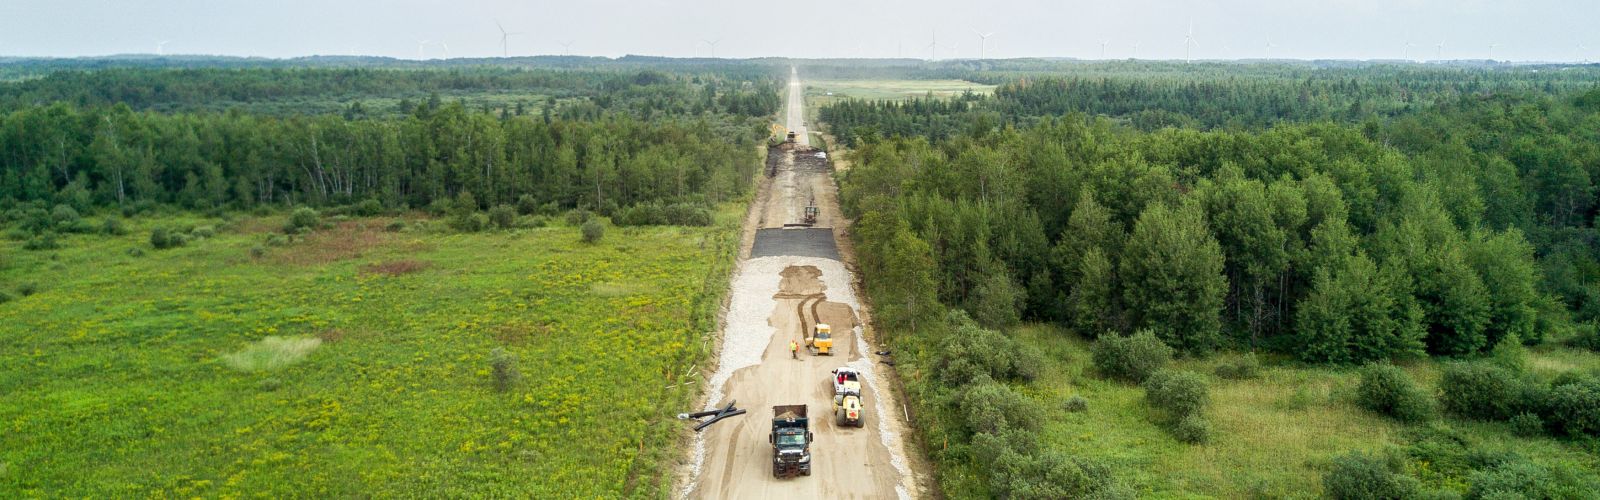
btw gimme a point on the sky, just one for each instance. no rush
(1543, 30)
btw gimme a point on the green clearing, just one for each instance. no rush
(151, 375)
(821, 93)
(1274, 435)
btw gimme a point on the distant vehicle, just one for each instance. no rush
(791, 441)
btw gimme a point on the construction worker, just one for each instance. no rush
(794, 350)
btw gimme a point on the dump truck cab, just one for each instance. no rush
(791, 441)
(821, 339)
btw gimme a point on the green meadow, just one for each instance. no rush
(359, 359)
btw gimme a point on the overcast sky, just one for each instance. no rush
(1351, 29)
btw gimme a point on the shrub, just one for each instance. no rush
(1521, 478)
(1587, 336)
(1177, 393)
(1192, 429)
(277, 240)
(971, 352)
(302, 219)
(503, 216)
(269, 384)
(1246, 367)
(1133, 358)
(162, 238)
(28, 289)
(368, 208)
(43, 241)
(1510, 354)
(993, 407)
(576, 217)
(112, 226)
(6, 296)
(504, 366)
(1481, 390)
(1361, 476)
(136, 252)
(1574, 408)
(1387, 390)
(527, 205)
(63, 216)
(1047, 475)
(1527, 425)
(203, 232)
(471, 222)
(1075, 404)
(257, 252)
(396, 226)
(593, 231)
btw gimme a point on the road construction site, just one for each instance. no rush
(792, 278)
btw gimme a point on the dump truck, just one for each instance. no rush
(791, 441)
(847, 406)
(821, 339)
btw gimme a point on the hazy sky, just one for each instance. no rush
(1361, 29)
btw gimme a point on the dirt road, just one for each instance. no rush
(770, 305)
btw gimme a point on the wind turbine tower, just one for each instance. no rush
(566, 47)
(713, 44)
(983, 40)
(1103, 44)
(505, 38)
(1189, 43)
(420, 45)
(161, 47)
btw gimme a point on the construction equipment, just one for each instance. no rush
(791, 136)
(847, 407)
(820, 340)
(791, 441)
(810, 217)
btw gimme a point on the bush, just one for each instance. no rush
(1018, 470)
(593, 231)
(1192, 429)
(44, 241)
(6, 296)
(257, 252)
(203, 232)
(527, 205)
(1360, 476)
(112, 226)
(28, 289)
(1387, 390)
(396, 226)
(1521, 478)
(1527, 425)
(277, 240)
(504, 366)
(302, 219)
(162, 238)
(1247, 367)
(1179, 394)
(1482, 391)
(1075, 404)
(503, 216)
(136, 252)
(1574, 408)
(972, 352)
(576, 217)
(63, 216)
(1133, 358)
(1587, 336)
(993, 407)
(368, 208)
(469, 222)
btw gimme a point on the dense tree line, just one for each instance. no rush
(645, 137)
(1442, 233)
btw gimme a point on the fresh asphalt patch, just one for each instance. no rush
(804, 242)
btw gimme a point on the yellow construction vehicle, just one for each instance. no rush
(821, 339)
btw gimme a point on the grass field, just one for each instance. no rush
(1274, 436)
(354, 361)
(821, 93)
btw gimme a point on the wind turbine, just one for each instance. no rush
(954, 48)
(161, 47)
(1136, 49)
(505, 37)
(1407, 53)
(1582, 49)
(1491, 50)
(713, 44)
(1270, 45)
(446, 46)
(983, 40)
(566, 47)
(420, 45)
(933, 47)
(1103, 44)
(1188, 43)
(1438, 51)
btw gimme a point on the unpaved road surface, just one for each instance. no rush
(770, 305)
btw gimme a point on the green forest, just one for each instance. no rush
(1363, 217)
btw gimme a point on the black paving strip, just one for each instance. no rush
(802, 242)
